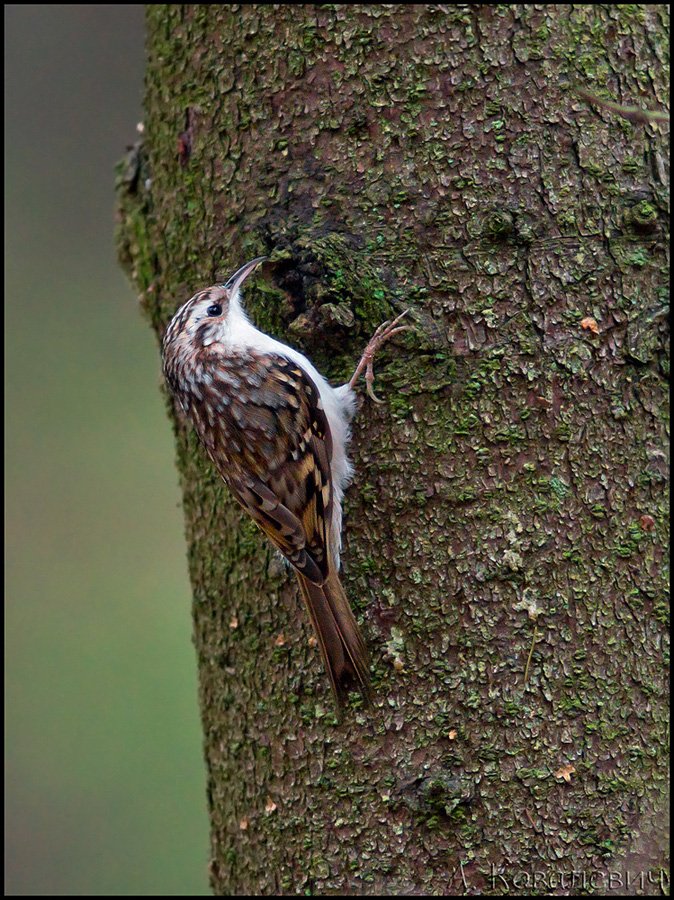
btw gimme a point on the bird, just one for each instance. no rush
(277, 433)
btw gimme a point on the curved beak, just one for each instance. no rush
(238, 278)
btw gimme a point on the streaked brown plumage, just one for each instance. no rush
(277, 433)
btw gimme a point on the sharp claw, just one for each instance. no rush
(371, 393)
(398, 330)
(401, 316)
(385, 331)
(369, 381)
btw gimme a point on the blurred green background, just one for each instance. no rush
(104, 773)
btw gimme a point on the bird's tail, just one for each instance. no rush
(339, 638)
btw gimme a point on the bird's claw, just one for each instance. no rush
(384, 333)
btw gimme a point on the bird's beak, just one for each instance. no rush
(241, 274)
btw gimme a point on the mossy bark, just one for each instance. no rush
(506, 531)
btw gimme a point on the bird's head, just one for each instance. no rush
(207, 317)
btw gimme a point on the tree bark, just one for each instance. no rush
(506, 531)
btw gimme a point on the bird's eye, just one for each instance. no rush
(214, 310)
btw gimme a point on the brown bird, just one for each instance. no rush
(278, 434)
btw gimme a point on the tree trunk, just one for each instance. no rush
(506, 531)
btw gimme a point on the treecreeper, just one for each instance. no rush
(278, 434)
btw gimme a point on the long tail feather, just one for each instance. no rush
(339, 638)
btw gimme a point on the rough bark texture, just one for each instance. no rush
(505, 535)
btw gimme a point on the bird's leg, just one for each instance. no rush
(381, 335)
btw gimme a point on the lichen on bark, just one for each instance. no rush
(508, 517)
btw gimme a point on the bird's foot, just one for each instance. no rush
(381, 335)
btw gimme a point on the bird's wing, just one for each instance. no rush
(273, 448)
